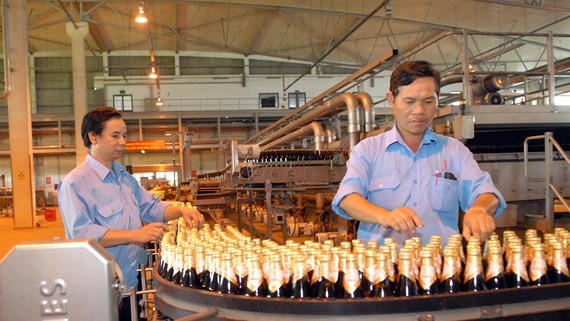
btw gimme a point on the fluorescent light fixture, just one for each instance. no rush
(153, 74)
(141, 17)
(159, 101)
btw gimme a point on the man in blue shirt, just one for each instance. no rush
(410, 181)
(99, 199)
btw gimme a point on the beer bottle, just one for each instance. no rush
(276, 282)
(189, 276)
(558, 270)
(406, 285)
(391, 267)
(300, 279)
(473, 280)
(369, 275)
(342, 255)
(163, 266)
(326, 281)
(255, 283)
(170, 263)
(178, 266)
(383, 287)
(229, 283)
(495, 272)
(199, 262)
(517, 277)
(450, 280)
(538, 269)
(240, 269)
(428, 283)
(351, 281)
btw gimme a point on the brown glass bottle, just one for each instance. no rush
(300, 279)
(406, 285)
(538, 269)
(326, 289)
(450, 279)
(276, 282)
(558, 269)
(342, 254)
(228, 283)
(189, 276)
(199, 263)
(240, 269)
(163, 266)
(428, 283)
(351, 281)
(383, 287)
(495, 269)
(517, 277)
(255, 283)
(473, 279)
(369, 275)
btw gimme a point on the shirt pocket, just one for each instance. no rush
(444, 195)
(383, 191)
(111, 215)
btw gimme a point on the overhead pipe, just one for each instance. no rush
(304, 131)
(344, 101)
(365, 102)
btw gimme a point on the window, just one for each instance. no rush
(268, 100)
(123, 102)
(297, 99)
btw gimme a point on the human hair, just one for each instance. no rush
(94, 121)
(407, 72)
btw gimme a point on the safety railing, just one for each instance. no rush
(550, 189)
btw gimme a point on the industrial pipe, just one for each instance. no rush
(345, 101)
(304, 131)
(365, 102)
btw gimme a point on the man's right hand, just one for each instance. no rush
(151, 232)
(402, 220)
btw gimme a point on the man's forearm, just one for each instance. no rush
(117, 237)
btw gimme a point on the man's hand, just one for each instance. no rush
(402, 220)
(150, 232)
(193, 217)
(478, 223)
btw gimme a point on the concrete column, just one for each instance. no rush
(20, 117)
(77, 32)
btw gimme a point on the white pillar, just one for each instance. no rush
(77, 32)
(20, 117)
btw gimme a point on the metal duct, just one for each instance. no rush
(304, 131)
(367, 106)
(489, 84)
(345, 101)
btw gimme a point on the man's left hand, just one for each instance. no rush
(193, 217)
(478, 223)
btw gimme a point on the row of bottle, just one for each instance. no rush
(298, 155)
(229, 262)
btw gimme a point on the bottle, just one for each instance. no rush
(538, 269)
(517, 277)
(369, 276)
(473, 280)
(300, 279)
(406, 285)
(189, 276)
(450, 280)
(199, 262)
(255, 283)
(170, 264)
(178, 266)
(213, 276)
(558, 270)
(228, 283)
(163, 266)
(276, 282)
(391, 267)
(428, 283)
(240, 269)
(326, 281)
(351, 281)
(495, 271)
(383, 287)
(342, 255)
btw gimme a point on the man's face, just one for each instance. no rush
(414, 106)
(110, 144)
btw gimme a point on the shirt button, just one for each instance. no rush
(415, 204)
(415, 181)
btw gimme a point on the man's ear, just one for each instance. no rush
(92, 137)
(390, 97)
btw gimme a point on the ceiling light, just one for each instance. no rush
(141, 17)
(153, 74)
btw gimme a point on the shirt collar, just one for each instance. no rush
(101, 170)
(393, 136)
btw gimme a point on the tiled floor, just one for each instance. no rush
(9, 236)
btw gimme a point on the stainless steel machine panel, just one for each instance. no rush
(59, 280)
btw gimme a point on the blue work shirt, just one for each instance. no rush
(93, 200)
(435, 182)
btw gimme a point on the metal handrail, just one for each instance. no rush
(549, 141)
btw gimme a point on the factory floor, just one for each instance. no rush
(43, 231)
